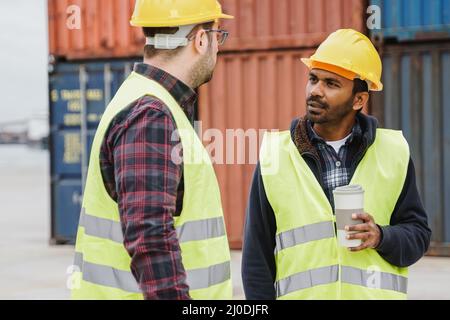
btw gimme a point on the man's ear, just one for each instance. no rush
(360, 101)
(201, 41)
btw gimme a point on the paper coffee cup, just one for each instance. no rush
(348, 200)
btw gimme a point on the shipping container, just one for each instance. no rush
(415, 99)
(251, 92)
(67, 156)
(66, 207)
(82, 29)
(78, 94)
(410, 20)
(92, 29)
(275, 24)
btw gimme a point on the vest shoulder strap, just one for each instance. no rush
(392, 140)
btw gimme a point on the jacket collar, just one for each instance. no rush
(303, 136)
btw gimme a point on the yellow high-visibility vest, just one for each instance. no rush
(102, 264)
(310, 264)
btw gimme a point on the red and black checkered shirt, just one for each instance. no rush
(140, 176)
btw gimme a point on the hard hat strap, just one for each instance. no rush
(171, 41)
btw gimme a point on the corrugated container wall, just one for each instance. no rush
(408, 20)
(258, 90)
(415, 99)
(91, 29)
(103, 30)
(270, 24)
(250, 91)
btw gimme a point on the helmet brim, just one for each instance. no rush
(373, 86)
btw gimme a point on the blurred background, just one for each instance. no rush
(61, 61)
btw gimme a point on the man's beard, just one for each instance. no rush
(202, 71)
(336, 116)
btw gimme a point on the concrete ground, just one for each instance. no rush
(31, 269)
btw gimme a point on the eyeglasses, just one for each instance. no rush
(222, 35)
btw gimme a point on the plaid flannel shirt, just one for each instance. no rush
(336, 167)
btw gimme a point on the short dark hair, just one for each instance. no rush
(359, 86)
(150, 51)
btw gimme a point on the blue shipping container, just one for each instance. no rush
(78, 93)
(416, 100)
(67, 156)
(101, 81)
(66, 206)
(407, 20)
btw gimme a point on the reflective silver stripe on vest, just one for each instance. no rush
(201, 230)
(207, 277)
(100, 227)
(374, 279)
(307, 279)
(110, 277)
(190, 231)
(311, 232)
(106, 276)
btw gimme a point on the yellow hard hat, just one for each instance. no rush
(174, 13)
(351, 55)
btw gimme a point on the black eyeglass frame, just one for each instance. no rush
(223, 35)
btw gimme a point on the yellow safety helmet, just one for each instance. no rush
(175, 13)
(351, 55)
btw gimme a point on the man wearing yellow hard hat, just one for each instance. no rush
(151, 225)
(291, 248)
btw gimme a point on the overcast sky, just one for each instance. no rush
(23, 59)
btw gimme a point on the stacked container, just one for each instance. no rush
(259, 83)
(415, 44)
(78, 95)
